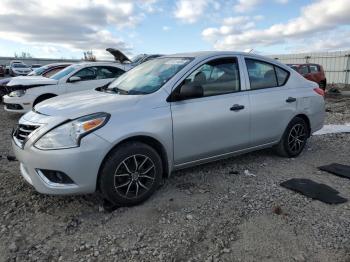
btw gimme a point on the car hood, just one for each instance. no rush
(4, 81)
(31, 81)
(78, 104)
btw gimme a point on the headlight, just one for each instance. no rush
(17, 93)
(69, 134)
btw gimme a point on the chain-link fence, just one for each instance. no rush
(335, 64)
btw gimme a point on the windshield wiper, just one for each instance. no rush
(118, 90)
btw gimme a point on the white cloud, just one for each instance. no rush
(71, 24)
(189, 11)
(320, 16)
(166, 28)
(246, 5)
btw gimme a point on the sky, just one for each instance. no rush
(66, 28)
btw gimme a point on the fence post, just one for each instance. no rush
(347, 70)
(307, 59)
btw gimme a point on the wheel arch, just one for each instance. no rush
(46, 96)
(148, 140)
(306, 119)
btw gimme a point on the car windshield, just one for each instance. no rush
(38, 71)
(63, 72)
(18, 65)
(148, 77)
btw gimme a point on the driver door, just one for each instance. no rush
(218, 122)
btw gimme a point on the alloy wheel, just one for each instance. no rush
(297, 138)
(134, 176)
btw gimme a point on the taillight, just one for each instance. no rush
(319, 91)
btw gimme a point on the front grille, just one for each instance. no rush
(13, 107)
(21, 133)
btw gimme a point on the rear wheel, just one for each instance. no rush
(294, 138)
(130, 174)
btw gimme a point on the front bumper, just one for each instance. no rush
(18, 104)
(81, 164)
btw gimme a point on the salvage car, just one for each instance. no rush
(34, 66)
(32, 90)
(166, 114)
(45, 71)
(312, 72)
(49, 70)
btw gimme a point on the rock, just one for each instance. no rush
(13, 247)
(189, 217)
(299, 258)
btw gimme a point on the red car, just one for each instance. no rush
(312, 72)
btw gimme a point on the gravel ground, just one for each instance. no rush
(215, 212)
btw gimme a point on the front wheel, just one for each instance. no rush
(294, 138)
(130, 174)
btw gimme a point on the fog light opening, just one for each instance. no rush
(56, 177)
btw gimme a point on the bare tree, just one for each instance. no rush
(23, 55)
(89, 56)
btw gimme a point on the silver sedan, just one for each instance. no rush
(166, 114)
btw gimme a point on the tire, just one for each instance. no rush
(130, 174)
(41, 99)
(294, 138)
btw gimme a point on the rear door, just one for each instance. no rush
(273, 101)
(216, 123)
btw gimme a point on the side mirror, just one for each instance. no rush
(74, 79)
(188, 91)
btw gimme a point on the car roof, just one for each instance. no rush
(58, 64)
(208, 54)
(84, 64)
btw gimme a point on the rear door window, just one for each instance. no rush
(265, 75)
(282, 75)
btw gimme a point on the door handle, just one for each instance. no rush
(236, 107)
(291, 99)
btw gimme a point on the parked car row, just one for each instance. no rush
(132, 129)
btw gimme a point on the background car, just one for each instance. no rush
(19, 69)
(2, 70)
(312, 72)
(49, 70)
(33, 66)
(45, 71)
(31, 90)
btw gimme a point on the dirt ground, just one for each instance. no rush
(215, 212)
